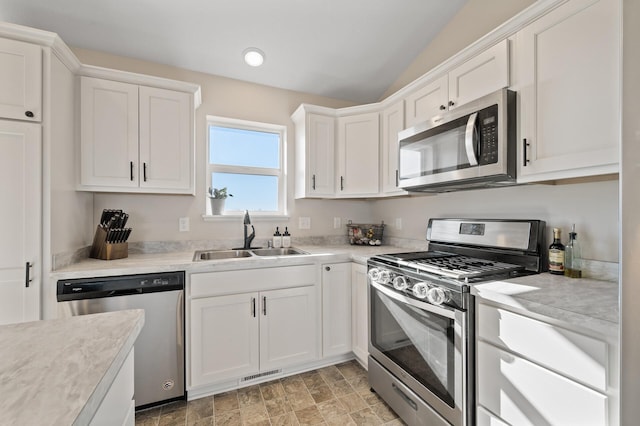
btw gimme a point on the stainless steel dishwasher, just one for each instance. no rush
(159, 349)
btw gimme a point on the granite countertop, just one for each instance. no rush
(58, 371)
(583, 304)
(183, 261)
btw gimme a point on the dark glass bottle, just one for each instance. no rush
(556, 254)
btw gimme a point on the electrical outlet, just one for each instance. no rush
(304, 223)
(183, 224)
(337, 222)
(398, 223)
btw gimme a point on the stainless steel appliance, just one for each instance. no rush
(421, 314)
(159, 349)
(472, 146)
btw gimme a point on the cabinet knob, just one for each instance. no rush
(451, 103)
(29, 114)
(442, 107)
(327, 268)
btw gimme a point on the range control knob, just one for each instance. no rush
(437, 296)
(374, 274)
(420, 290)
(400, 283)
(385, 277)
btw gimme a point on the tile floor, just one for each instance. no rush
(334, 395)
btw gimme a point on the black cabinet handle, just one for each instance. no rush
(131, 170)
(264, 305)
(253, 307)
(29, 114)
(144, 171)
(525, 145)
(451, 103)
(27, 279)
(341, 183)
(327, 268)
(397, 178)
(313, 182)
(442, 107)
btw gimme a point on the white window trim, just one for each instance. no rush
(282, 174)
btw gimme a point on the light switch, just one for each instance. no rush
(337, 222)
(398, 223)
(304, 223)
(183, 224)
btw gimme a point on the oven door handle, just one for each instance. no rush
(443, 311)
(470, 138)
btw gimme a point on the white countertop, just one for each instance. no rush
(583, 304)
(57, 372)
(586, 304)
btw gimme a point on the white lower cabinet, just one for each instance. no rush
(530, 372)
(117, 407)
(336, 309)
(232, 336)
(359, 313)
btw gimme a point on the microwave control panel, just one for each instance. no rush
(488, 132)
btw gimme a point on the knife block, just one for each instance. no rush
(101, 249)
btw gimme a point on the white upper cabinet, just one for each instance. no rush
(392, 123)
(135, 138)
(20, 221)
(483, 74)
(567, 74)
(20, 80)
(315, 153)
(358, 149)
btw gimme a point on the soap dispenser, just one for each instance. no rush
(286, 238)
(277, 239)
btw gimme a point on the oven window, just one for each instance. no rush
(420, 342)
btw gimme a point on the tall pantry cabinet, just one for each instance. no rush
(20, 172)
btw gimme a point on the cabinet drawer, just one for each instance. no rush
(571, 354)
(523, 393)
(247, 280)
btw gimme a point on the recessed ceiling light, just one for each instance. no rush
(253, 56)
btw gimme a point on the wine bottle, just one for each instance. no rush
(556, 254)
(572, 256)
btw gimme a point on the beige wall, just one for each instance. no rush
(474, 20)
(155, 217)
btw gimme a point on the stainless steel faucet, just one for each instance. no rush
(248, 238)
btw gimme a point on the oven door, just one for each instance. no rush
(425, 346)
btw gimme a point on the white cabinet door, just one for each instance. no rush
(483, 74)
(315, 154)
(166, 151)
(224, 338)
(523, 393)
(360, 313)
(20, 221)
(358, 150)
(109, 133)
(289, 325)
(392, 123)
(336, 309)
(427, 102)
(568, 79)
(20, 80)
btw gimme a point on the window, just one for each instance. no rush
(248, 158)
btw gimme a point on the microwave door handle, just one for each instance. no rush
(470, 139)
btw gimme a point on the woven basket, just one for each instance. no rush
(365, 234)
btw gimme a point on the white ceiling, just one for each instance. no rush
(345, 49)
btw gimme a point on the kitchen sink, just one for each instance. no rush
(287, 251)
(203, 255)
(220, 254)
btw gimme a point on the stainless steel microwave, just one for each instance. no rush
(473, 146)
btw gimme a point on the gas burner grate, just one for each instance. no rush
(460, 267)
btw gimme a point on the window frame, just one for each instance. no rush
(280, 173)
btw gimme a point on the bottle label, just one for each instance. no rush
(556, 260)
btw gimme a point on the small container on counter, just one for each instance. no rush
(286, 238)
(573, 256)
(556, 254)
(277, 238)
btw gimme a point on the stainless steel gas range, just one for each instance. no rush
(421, 313)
